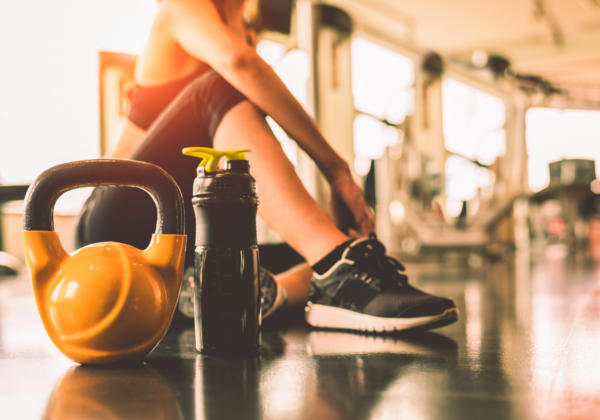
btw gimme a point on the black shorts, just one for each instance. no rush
(127, 214)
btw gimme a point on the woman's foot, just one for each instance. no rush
(365, 290)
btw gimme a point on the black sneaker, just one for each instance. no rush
(185, 303)
(368, 291)
(273, 297)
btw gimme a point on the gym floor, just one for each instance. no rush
(526, 346)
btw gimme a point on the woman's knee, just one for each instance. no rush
(213, 97)
(119, 214)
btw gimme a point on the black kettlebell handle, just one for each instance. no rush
(45, 190)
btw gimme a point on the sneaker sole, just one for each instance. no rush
(323, 316)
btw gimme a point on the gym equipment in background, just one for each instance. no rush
(9, 264)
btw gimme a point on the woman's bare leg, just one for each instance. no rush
(284, 204)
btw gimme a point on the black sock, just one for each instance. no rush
(328, 260)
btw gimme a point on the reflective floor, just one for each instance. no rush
(527, 346)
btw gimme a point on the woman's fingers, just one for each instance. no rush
(349, 208)
(364, 217)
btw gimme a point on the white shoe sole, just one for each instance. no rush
(324, 316)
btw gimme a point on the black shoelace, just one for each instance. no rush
(377, 268)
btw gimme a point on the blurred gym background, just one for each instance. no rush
(473, 127)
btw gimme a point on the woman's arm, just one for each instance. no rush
(197, 27)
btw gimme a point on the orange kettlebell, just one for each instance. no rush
(108, 301)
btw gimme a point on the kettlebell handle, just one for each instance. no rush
(45, 190)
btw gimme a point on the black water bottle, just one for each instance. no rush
(227, 292)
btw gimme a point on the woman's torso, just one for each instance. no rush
(162, 70)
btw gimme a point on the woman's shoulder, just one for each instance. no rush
(163, 59)
(186, 7)
(188, 32)
(173, 15)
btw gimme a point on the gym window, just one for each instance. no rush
(474, 137)
(383, 91)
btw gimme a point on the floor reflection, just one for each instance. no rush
(524, 347)
(371, 370)
(210, 387)
(113, 392)
(301, 374)
(422, 344)
(576, 387)
(218, 380)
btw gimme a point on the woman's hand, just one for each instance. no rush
(350, 211)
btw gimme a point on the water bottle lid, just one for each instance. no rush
(234, 181)
(210, 158)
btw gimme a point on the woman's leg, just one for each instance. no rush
(128, 215)
(284, 204)
(296, 282)
(211, 109)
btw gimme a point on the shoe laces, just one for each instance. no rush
(376, 268)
